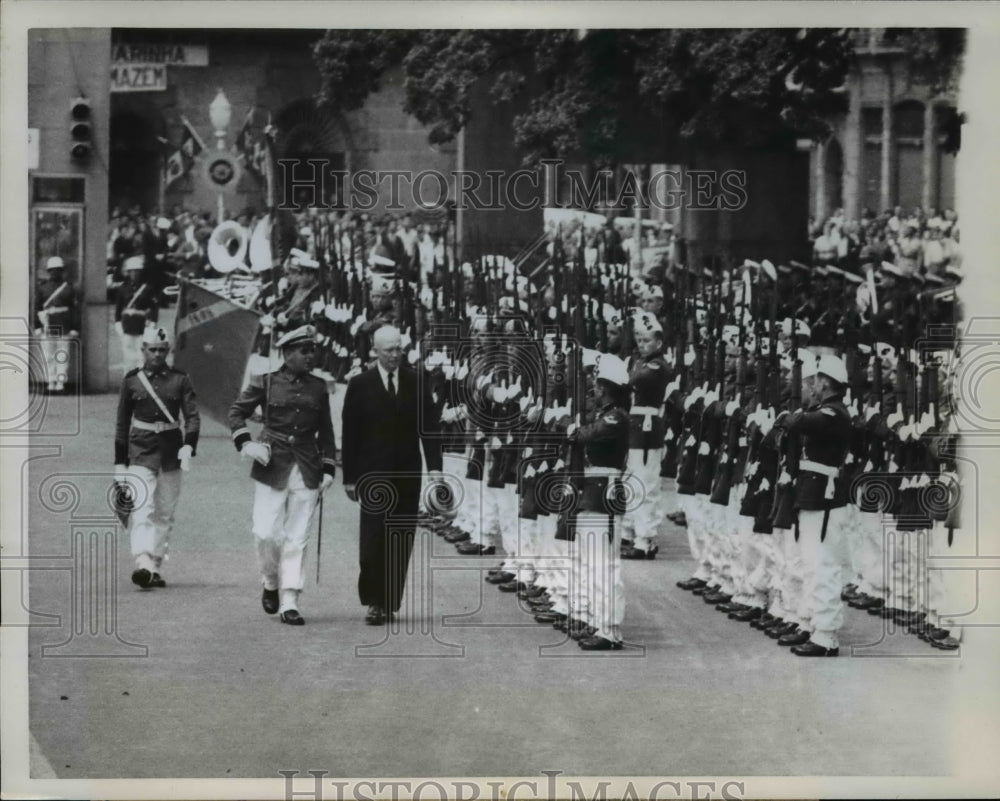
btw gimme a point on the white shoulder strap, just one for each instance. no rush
(152, 392)
(54, 295)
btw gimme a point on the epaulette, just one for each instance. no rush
(132, 372)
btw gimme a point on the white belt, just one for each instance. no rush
(817, 467)
(647, 413)
(157, 427)
(56, 309)
(824, 470)
(610, 472)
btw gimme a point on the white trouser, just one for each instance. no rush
(855, 545)
(281, 520)
(597, 558)
(904, 571)
(491, 520)
(641, 522)
(697, 538)
(151, 521)
(823, 562)
(132, 351)
(789, 603)
(753, 563)
(716, 543)
(55, 354)
(555, 567)
(946, 587)
(508, 525)
(871, 545)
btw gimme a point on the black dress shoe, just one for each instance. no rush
(293, 618)
(472, 549)
(638, 553)
(500, 578)
(795, 638)
(745, 615)
(849, 592)
(599, 644)
(583, 633)
(871, 602)
(860, 601)
(538, 608)
(456, 536)
(765, 621)
(809, 648)
(269, 600)
(706, 589)
(679, 519)
(691, 584)
(549, 617)
(375, 616)
(716, 598)
(142, 578)
(156, 580)
(883, 611)
(512, 586)
(531, 591)
(730, 606)
(948, 643)
(776, 632)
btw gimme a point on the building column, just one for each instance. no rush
(819, 181)
(888, 148)
(853, 144)
(929, 195)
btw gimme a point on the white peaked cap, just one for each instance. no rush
(612, 369)
(832, 366)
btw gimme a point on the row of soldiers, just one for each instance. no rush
(809, 456)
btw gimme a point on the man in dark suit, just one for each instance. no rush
(387, 417)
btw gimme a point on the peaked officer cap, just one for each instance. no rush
(305, 333)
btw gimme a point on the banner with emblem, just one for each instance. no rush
(213, 339)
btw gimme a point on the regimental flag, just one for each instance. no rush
(251, 147)
(176, 166)
(191, 144)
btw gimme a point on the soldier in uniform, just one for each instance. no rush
(293, 461)
(56, 309)
(150, 451)
(648, 378)
(136, 306)
(595, 553)
(820, 499)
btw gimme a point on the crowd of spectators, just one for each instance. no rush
(919, 243)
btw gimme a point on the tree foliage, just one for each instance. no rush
(575, 93)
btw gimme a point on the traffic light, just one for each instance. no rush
(81, 135)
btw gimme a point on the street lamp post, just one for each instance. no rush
(220, 113)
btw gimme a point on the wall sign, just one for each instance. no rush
(138, 77)
(173, 54)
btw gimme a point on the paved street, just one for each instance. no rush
(471, 688)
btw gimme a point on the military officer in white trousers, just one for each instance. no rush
(293, 463)
(152, 446)
(820, 499)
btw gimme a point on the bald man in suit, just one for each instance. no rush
(388, 416)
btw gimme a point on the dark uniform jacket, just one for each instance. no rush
(297, 426)
(648, 378)
(57, 299)
(826, 429)
(155, 450)
(135, 305)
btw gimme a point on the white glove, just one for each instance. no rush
(282, 318)
(257, 451)
(412, 356)
(731, 407)
(267, 322)
(327, 481)
(893, 419)
(571, 429)
(185, 454)
(317, 307)
(118, 329)
(870, 412)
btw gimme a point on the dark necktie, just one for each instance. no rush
(392, 386)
